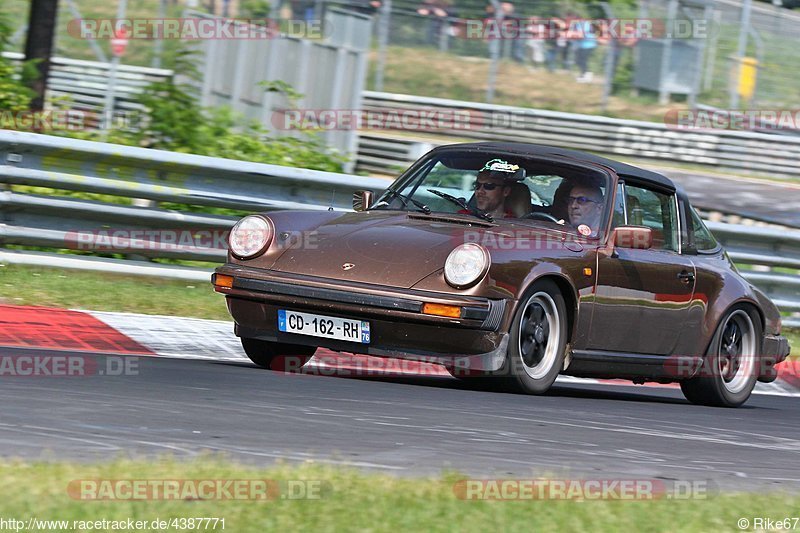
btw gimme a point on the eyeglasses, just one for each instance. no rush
(582, 200)
(486, 185)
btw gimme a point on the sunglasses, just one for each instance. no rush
(581, 200)
(488, 186)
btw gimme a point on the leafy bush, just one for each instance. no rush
(254, 9)
(175, 121)
(14, 95)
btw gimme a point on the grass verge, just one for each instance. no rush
(356, 501)
(24, 285)
(794, 341)
(408, 71)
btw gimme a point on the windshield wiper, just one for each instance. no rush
(405, 199)
(463, 205)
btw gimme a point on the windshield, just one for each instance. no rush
(503, 187)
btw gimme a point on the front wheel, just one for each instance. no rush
(277, 356)
(538, 339)
(730, 369)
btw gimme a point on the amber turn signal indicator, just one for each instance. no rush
(587, 271)
(452, 311)
(221, 280)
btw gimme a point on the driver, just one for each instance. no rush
(492, 186)
(584, 206)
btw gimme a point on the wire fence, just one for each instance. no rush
(773, 40)
(520, 36)
(704, 70)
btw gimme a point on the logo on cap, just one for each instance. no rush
(498, 165)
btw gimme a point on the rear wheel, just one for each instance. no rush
(538, 339)
(277, 356)
(729, 370)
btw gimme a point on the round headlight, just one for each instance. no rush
(465, 265)
(250, 236)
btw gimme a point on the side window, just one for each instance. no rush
(655, 210)
(619, 207)
(703, 240)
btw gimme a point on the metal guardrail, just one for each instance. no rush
(774, 155)
(58, 222)
(759, 251)
(143, 174)
(84, 83)
(133, 172)
(138, 173)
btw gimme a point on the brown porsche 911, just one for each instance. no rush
(514, 262)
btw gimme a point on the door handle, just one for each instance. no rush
(686, 276)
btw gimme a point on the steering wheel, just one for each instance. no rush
(536, 214)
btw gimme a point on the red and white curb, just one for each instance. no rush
(194, 338)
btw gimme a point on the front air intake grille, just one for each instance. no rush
(496, 310)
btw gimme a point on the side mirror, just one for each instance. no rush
(362, 200)
(632, 237)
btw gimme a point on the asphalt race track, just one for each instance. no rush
(775, 201)
(405, 426)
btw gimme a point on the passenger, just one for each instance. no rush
(585, 205)
(560, 208)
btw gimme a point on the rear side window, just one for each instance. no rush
(619, 207)
(703, 240)
(655, 210)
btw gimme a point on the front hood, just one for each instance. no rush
(391, 249)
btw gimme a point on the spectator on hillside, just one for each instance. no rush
(513, 29)
(584, 46)
(536, 43)
(556, 45)
(366, 7)
(437, 12)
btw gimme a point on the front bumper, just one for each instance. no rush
(398, 327)
(774, 350)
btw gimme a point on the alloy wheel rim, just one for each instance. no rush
(737, 352)
(539, 335)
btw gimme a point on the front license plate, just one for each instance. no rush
(329, 327)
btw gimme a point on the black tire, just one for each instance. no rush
(537, 340)
(277, 356)
(730, 368)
